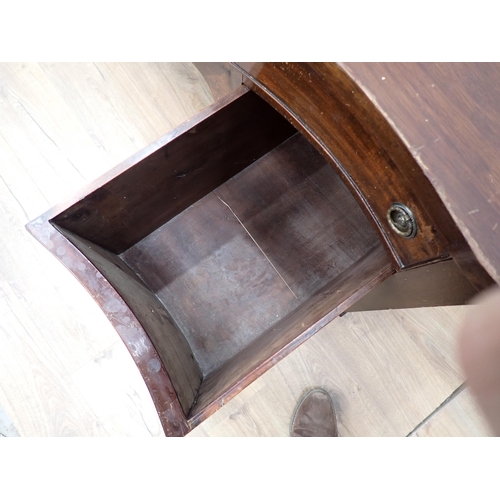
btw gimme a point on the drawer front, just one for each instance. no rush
(333, 112)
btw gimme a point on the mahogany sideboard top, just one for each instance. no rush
(448, 115)
(445, 115)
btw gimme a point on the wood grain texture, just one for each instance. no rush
(121, 317)
(47, 133)
(386, 372)
(222, 78)
(186, 165)
(219, 287)
(122, 107)
(216, 274)
(332, 109)
(229, 268)
(173, 351)
(327, 106)
(33, 381)
(7, 428)
(439, 284)
(33, 284)
(301, 214)
(114, 372)
(448, 116)
(68, 123)
(459, 417)
(286, 335)
(53, 141)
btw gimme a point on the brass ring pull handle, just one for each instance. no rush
(402, 220)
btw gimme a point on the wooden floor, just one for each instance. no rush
(63, 369)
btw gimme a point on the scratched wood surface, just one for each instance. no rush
(63, 370)
(448, 115)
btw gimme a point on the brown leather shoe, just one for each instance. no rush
(314, 416)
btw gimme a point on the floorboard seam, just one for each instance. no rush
(452, 396)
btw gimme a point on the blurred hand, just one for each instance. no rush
(479, 350)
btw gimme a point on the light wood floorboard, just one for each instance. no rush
(62, 125)
(459, 417)
(121, 402)
(63, 369)
(386, 372)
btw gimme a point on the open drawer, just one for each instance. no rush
(216, 251)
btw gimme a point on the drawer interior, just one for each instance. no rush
(231, 243)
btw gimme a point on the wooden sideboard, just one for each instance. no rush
(304, 191)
